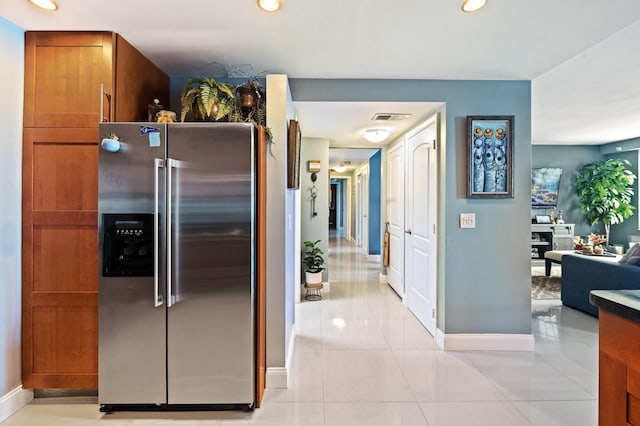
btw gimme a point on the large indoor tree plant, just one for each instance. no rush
(605, 189)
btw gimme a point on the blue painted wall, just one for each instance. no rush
(484, 283)
(11, 101)
(375, 191)
(571, 158)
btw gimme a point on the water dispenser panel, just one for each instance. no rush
(127, 245)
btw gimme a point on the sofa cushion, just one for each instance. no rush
(632, 256)
(581, 274)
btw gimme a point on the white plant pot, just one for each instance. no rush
(313, 277)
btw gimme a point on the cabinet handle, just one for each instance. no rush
(104, 94)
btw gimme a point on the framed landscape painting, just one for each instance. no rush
(490, 151)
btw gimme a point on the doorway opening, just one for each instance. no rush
(355, 211)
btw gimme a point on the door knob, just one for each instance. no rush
(408, 231)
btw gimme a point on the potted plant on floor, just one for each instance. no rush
(605, 189)
(314, 262)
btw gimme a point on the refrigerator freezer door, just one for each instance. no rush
(132, 332)
(210, 323)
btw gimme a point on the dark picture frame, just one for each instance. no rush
(294, 139)
(490, 153)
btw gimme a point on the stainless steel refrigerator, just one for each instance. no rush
(176, 288)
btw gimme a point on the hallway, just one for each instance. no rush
(361, 358)
(363, 354)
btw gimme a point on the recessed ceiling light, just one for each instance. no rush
(375, 135)
(473, 5)
(45, 4)
(269, 5)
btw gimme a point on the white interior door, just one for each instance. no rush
(359, 213)
(362, 210)
(395, 217)
(365, 211)
(348, 215)
(420, 232)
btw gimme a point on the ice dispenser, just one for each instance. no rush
(127, 245)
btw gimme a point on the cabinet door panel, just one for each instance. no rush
(62, 338)
(62, 85)
(60, 271)
(66, 176)
(63, 258)
(612, 398)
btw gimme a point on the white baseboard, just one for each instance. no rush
(485, 342)
(13, 401)
(292, 344)
(439, 338)
(382, 278)
(278, 377)
(374, 257)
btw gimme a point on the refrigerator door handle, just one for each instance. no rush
(171, 163)
(157, 297)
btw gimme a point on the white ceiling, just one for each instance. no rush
(344, 122)
(582, 56)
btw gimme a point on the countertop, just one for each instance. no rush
(624, 303)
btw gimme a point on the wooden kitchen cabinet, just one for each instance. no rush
(619, 358)
(73, 80)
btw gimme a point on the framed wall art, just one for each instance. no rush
(294, 139)
(490, 148)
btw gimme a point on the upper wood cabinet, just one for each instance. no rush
(73, 80)
(77, 79)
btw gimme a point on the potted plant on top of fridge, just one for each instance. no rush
(314, 262)
(207, 99)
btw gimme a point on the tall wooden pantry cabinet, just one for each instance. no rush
(73, 80)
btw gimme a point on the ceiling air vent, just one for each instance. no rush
(384, 116)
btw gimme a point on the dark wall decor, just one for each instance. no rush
(490, 148)
(293, 155)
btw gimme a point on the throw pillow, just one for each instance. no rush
(632, 256)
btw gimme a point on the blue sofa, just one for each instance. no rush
(581, 274)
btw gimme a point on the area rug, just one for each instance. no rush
(545, 288)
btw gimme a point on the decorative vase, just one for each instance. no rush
(247, 96)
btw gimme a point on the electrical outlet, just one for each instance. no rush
(467, 220)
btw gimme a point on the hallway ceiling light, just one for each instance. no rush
(375, 135)
(269, 5)
(340, 169)
(45, 4)
(473, 5)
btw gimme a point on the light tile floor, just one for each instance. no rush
(361, 358)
